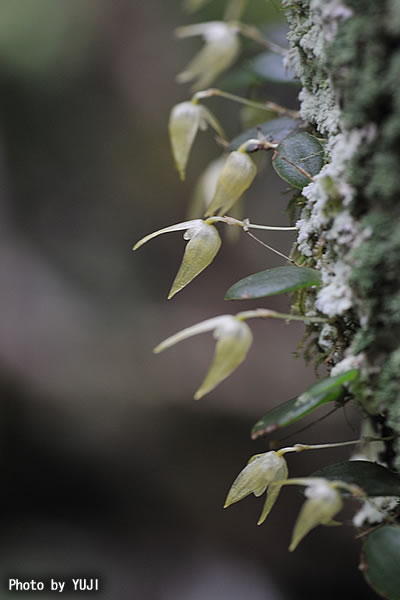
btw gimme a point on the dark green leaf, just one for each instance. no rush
(269, 66)
(299, 157)
(374, 479)
(273, 130)
(381, 561)
(326, 390)
(273, 281)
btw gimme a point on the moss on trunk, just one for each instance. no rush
(347, 55)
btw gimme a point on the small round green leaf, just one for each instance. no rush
(381, 561)
(326, 390)
(273, 130)
(299, 157)
(273, 281)
(374, 479)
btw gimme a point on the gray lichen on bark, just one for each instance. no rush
(346, 54)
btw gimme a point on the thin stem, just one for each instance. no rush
(265, 313)
(246, 224)
(270, 228)
(270, 247)
(301, 447)
(281, 110)
(252, 33)
(253, 145)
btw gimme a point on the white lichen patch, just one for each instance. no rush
(335, 296)
(327, 337)
(326, 219)
(375, 510)
(349, 362)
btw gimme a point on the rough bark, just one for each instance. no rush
(347, 56)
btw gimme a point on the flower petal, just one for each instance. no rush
(236, 176)
(205, 188)
(221, 48)
(199, 253)
(202, 327)
(261, 470)
(273, 492)
(234, 340)
(184, 122)
(324, 503)
(177, 227)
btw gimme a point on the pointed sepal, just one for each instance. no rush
(256, 477)
(186, 118)
(204, 243)
(234, 338)
(324, 502)
(220, 50)
(236, 176)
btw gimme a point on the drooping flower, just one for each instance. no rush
(204, 243)
(261, 471)
(185, 120)
(234, 339)
(236, 176)
(324, 502)
(220, 50)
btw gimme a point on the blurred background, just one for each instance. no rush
(109, 468)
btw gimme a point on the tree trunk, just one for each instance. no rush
(347, 56)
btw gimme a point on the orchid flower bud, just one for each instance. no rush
(221, 48)
(204, 243)
(261, 471)
(324, 502)
(236, 176)
(185, 120)
(234, 339)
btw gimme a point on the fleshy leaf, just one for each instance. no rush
(185, 120)
(381, 560)
(280, 280)
(260, 472)
(372, 478)
(274, 130)
(220, 50)
(326, 390)
(204, 243)
(233, 343)
(236, 176)
(299, 157)
(323, 504)
(234, 339)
